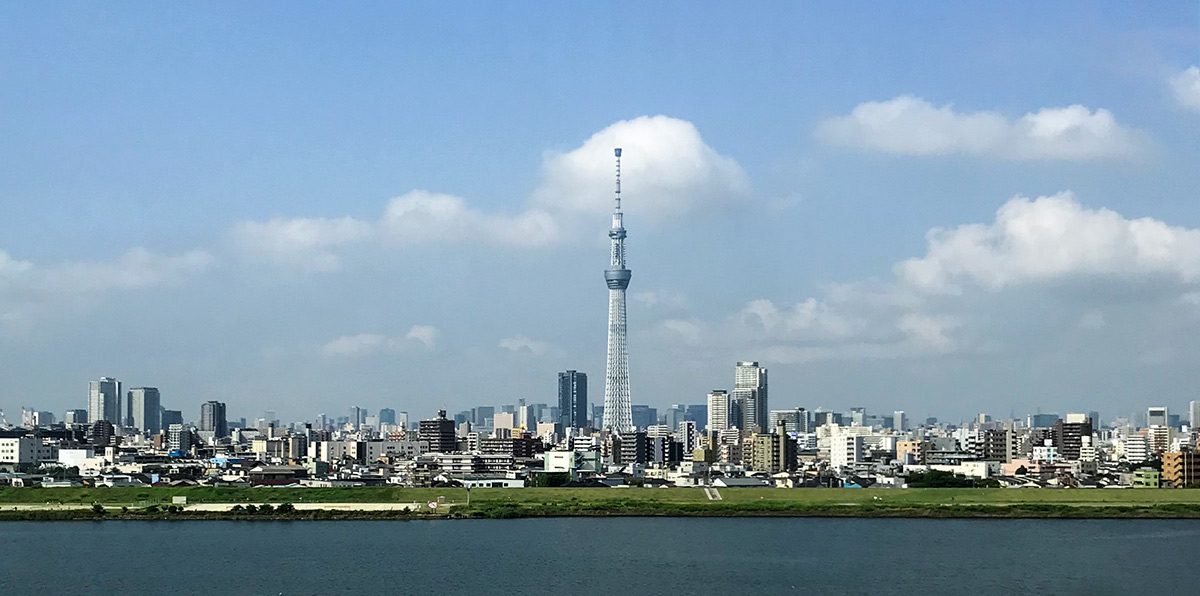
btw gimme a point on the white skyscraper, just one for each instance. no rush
(618, 408)
(1156, 416)
(104, 400)
(718, 411)
(145, 409)
(1194, 413)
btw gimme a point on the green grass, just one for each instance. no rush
(529, 502)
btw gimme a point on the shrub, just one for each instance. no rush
(237, 509)
(251, 509)
(265, 508)
(98, 509)
(286, 508)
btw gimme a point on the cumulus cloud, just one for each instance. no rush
(809, 319)
(665, 299)
(974, 284)
(668, 171)
(688, 332)
(524, 344)
(28, 290)
(1053, 238)
(425, 334)
(421, 217)
(304, 241)
(1186, 88)
(366, 344)
(908, 125)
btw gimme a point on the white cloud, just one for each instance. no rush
(521, 343)
(688, 332)
(356, 345)
(666, 299)
(809, 319)
(908, 125)
(425, 217)
(1186, 88)
(28, 290)
(928, 331)
(366, 344)
(308, 242)
(418, 217)
(668, 170)
(1053, 238)
(974, 288)
(426, 334)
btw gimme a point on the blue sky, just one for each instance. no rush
(218, 201)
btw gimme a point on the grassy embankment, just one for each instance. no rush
(542, 502)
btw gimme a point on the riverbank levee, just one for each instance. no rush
(368, 502)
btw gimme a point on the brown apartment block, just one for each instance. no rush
(1181, 469)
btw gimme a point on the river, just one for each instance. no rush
(600, 556)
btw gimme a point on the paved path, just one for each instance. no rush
(712, 493)
(317, 506)
(45, 507)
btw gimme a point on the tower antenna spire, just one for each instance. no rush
(617, 152)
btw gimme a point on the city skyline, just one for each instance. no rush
(998, 215)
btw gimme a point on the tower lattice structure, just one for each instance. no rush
(618, 409)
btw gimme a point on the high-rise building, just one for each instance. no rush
(1068, 435)
(212, 418)
(718, 411)
(899, 421)
(618, 409)
(789, 418)
(572, 399)
(439, 432)
(858, 416)
(804, 421)
(697, 413)
(145, 406)
(356, 417)
(76, 416)
(1194, 413)
(643, 416)
(170, 417)
(688, 438)
(1156, 416)
(674, 415)
(485, 416)
(104, 400)
(101, 433)
(773, 452)
(179, 438)
(750, 394)
(387, 416)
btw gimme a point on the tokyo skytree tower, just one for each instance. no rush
(618, 409)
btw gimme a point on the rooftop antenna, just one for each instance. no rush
(617, 152)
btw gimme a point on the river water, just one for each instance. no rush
(601, 556)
